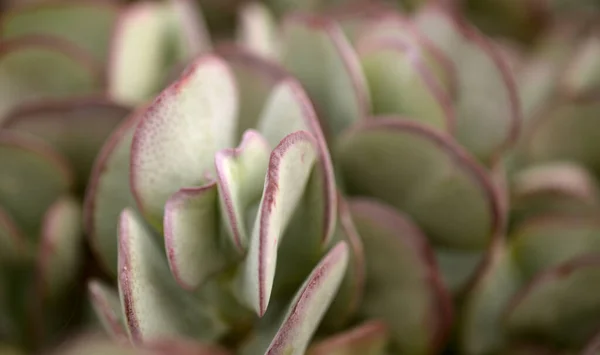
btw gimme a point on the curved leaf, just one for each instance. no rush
(105, 301)
(582, 75)
(179, 133)
(257, 30)
(369, 338)
(403, 286)
(14, 246)
(426, 175)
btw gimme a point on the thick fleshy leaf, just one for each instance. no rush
(77, 128)
(457, 267)
(257, 30)
(256, 78)
(183, 347)
(484, 126)
(424, 174)
(191, 229)
(151, 38)
(105, 301)
(32, 177)
(152, 302)
(559, 305)
(33, 68)
(87, 24)
(167, 153)
(290, 167)
(108, 192)
(287, 110)
(403, 285)
(369, 338)
(357, 17)
(241, 175)
(316, 52)
(93, 344)
(480, 328)
(400, 83)
(291, 332)
(14, 246)
(561, 187)
(551, 136)
(60, 252)
(389, 27)
(583, 73)
(350, 294)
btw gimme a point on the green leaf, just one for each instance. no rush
(240, 175)
(257, 30)
(183, 346)
(316, 52)
(34, 68)
(108, 192)
(256, 78)
(400, 83)
(426, 175)
(488, 108)
(559, 305)
(290, 166)
(180, 132)
(403, 285)
(152, 302)
(369, 338)
(191, 235)
(582, 75)
(106, 304)
(60, 256)
(14, 246)
(76, 128)
(86, 24)
(32, 177)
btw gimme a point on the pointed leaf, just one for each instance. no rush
(424, 174)
(551, 136)
(288, 109)
(256, 78)
(60, 254)
(33, 68)
(400, 83)
(153, 304)
(290, 165)
(240, 175)
(77, 128)
(257, 30)
(559, 305)
(191, 235)
(32, 177)
(107, 307)
(86, 24)
(403, 286)
(179, 133)
(369, 338)
(484, 126)
(317, 53)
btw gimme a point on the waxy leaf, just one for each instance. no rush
(105, 301)
(14, 246)
(153, 304)
(559, 305)
(34, 68)
(191, 235)
(241, 175)
(316, 52)
(32, 177)
(484, 126)
(400, 83)
(182, 346)
(257, 30)
(583, 73)
(369, 338)
(108, 192)
(59, 257)
(551, 135)
(403, 285)
(87, 24)
(179, 133)
(290, 166)
(255, 78)
(424, 174)
(77, 128)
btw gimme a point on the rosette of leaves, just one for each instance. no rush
(255, 248)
